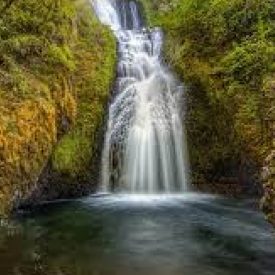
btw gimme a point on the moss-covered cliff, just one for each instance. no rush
(56, 69)
(224, 51)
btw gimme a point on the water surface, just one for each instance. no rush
(135, 234)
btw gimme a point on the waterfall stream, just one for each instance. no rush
(145, 146)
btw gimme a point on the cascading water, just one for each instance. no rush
(145, 148)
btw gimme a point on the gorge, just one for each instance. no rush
(136, 137)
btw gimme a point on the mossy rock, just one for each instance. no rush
(56, 69)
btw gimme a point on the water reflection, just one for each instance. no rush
(122, 234)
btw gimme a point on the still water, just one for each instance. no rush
(135, 234)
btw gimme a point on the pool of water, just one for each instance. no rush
(127, 234)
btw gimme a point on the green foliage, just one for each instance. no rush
(49, 18)
(248, 62)
(36, 37)
(71, 152)
(60, 56)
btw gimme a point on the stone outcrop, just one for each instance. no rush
(268, 175)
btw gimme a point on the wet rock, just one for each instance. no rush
(268, 176)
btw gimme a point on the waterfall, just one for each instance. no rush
(145, 146)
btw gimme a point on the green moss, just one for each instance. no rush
(56, 69)
(60, 56)
(95, 63)
(72, 153)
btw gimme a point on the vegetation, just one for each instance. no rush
(225, 52)
(56, 68)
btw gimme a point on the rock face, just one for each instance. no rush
(268, 201)
(268, 172)
(23, 153)
(56, 70)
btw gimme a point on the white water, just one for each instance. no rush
(145, 146)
